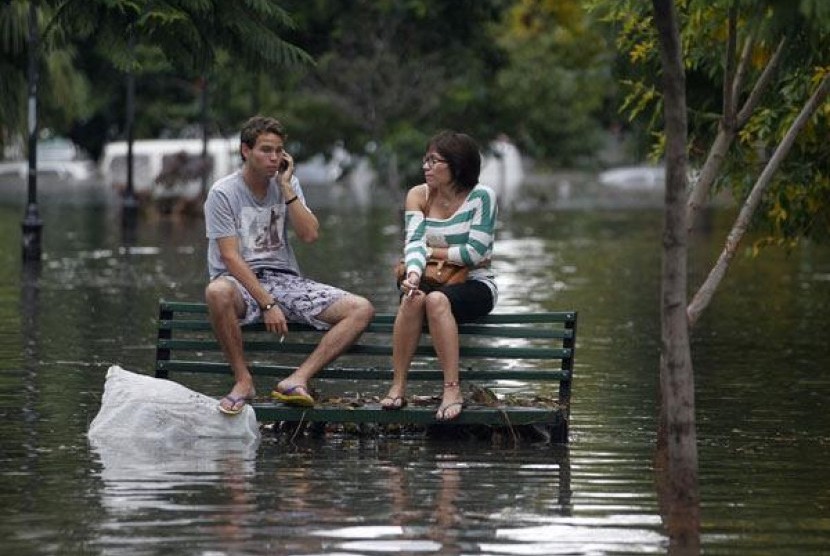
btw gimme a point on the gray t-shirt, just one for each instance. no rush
(260, 226)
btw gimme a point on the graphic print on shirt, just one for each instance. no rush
(262, 230)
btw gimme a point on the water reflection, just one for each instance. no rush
(146, 483)
(147, 466)
(760, 360)
(336, 496)
(413, 530)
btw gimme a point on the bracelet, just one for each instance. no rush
(291, 200)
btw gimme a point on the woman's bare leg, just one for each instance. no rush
(407, 331)
(444, 332)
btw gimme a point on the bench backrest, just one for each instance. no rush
(518, 346)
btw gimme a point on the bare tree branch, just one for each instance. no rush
(730, 91)
(706, 291)
(740, 75)
(726, 132)
(761, 85)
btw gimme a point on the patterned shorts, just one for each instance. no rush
(300, 299)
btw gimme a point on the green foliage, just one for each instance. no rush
(556, 82)
(391, 67)
(391, 158)
(13, 31)
(799, 202)
(188, 32)
(64, 93)
(69, 95)
(167, 45)
(797, 198)
(381, 73)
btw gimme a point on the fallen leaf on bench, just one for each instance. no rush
(484, 396)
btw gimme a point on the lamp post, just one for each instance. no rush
(32, 224)
(129, 207)
(203, 82)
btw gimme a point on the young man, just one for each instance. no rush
(254, 274)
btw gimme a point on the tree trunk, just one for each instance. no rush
(676, 457)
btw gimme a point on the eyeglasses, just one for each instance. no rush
(432, 160)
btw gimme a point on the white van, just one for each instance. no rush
(151, 156)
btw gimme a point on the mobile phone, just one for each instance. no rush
(283, 165)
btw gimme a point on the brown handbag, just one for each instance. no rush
(437, 273)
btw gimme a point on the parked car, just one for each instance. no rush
(152, 156)
(58, 160)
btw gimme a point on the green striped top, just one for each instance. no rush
(468, 233)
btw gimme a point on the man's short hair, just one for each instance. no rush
(256, 126)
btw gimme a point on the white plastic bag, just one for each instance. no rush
(141, 407)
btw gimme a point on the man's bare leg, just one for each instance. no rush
(225, 305)
(349, 317)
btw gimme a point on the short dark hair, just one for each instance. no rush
(256, 126)
(462, 155)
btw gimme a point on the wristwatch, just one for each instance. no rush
(268, 306)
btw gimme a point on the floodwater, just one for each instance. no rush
(763, 391)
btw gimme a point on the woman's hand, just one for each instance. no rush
(410, 285)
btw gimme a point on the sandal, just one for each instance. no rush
(236, 406)
(294, 395)
(441, 414)
(442, 411)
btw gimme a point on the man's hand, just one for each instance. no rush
(285, 173)
(274, 320)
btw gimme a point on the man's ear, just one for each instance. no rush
(244, 149)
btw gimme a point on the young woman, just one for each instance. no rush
(452, 218)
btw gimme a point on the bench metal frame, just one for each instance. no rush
(526, 347)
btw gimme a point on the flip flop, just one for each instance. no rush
(398, 402)
(294, 395)
(441, 415)
(238, 403)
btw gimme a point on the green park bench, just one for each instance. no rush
(516, 370)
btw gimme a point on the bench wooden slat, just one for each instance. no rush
(364, 349)
(367, 373)
(411, 415)
(473, 329)
(492, 318)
